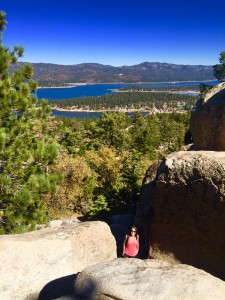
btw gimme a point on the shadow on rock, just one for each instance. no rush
(59, 287)
(120, 226)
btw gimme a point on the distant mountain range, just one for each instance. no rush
(58, 75)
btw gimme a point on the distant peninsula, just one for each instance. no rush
(53, 75)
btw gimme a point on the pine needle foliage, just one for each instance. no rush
(26, 149)
(219, 69)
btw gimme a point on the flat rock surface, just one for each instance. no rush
(135, 279)
(33, 260)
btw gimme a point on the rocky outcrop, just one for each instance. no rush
(207, 123)
(182, 209)
(30, 261)
(135, 279)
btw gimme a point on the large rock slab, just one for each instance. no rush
(182, 209)
(30, 261)
(135, 279)
(207, 123)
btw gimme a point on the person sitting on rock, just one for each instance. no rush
(131, 243)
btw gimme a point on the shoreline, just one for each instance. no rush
(122, 110)
(63, 86)
(100, 110)
(161, 91)
(71, 85)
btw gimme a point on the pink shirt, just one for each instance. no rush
(131, 247)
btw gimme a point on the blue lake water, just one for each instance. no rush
(78, 91)
(83, 114)
(99, 90)
(103, 89)
(76, 114)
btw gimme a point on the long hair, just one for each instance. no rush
(136, 230)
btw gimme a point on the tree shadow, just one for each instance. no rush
(59, 287)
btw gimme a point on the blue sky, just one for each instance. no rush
(116, 32)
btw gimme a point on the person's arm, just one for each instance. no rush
(138, 242)
(124, 244)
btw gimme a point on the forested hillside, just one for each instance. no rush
(145, 101)
(61, 75)
(104, 160)
(52, 167)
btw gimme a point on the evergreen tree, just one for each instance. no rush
(26, 150)
(219, 70)
(110, 130)
(204, 89)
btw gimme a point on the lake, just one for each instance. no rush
(76, 114)
(103, 89)
(96, 90)
(78, 91)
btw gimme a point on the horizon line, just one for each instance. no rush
(95, 63)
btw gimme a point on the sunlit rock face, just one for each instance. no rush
(207, 124)
(135, 279)
(181, 213)
(31, 261)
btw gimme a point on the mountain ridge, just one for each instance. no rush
(49, 74)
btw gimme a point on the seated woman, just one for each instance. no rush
(131, 243)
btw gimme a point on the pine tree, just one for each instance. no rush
(26, 150)
(219, 69)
